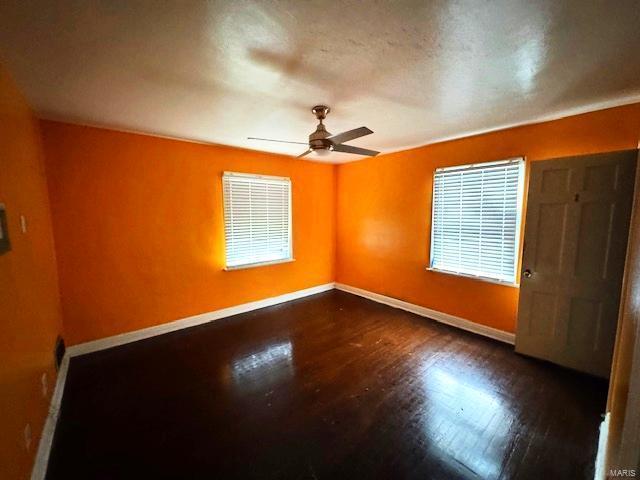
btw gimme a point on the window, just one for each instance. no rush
(476, 219)
(257, 219)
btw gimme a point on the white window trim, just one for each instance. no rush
(474, 277)
(258, 264)
(519, 216)
(255, 175)
(290, 257)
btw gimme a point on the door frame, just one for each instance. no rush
(620, 431)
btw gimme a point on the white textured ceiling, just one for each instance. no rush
(413, 71)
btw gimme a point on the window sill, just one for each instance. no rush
(259, 264)
(475, 277)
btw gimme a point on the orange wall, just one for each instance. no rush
(139, 227)
(30, 317)
(384, 210)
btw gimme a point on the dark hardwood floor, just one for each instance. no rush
(330, 386)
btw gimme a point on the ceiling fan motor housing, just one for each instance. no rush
(318, 140)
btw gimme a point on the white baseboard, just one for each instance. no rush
(601, 456)
(46, 438)
(123, 338)
(452, 320)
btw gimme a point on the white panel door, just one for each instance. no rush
(576, 231)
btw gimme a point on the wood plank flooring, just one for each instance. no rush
(327, 387)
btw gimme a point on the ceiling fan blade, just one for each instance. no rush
(279, 141)
(356, 150)
(305, 153)
(350, 135)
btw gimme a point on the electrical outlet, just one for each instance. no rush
(23, 224)
(44, 380)
(27, 437)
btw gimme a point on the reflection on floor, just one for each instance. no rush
(331, 386)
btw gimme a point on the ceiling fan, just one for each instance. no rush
(322, 142)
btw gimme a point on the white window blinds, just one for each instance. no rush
(257, 219)
(476, 219)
